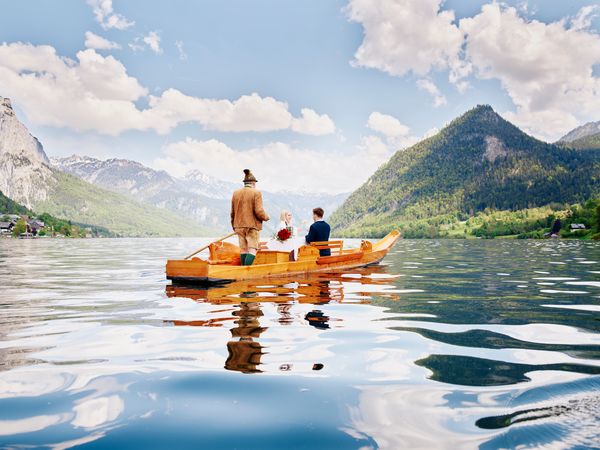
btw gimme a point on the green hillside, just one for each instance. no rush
(8, 206)
(53, 224)
(479, 162)
(83, 202)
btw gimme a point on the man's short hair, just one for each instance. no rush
(318, 212)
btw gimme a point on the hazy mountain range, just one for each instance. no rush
(587, 130)
(197, 196)
(585, 137)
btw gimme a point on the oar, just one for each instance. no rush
(208, 245)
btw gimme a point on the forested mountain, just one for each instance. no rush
(478, 161)
(8, 206)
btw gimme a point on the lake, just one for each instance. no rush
(446, 344)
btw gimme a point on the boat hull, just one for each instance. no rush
(210, 272)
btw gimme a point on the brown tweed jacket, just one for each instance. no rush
(247, 209)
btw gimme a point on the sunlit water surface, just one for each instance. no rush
(447, 344)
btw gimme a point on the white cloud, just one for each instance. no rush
(94, 41)
(136, 45)
(182, 54)
(152, 39)
(402, 36)
(431, 132)
(546, 69)
(429, 86)
(313, 123)
(584, 17)
(387, 125)
(397, 135)
(277, 165)
(248, 113)
(96, 93)
(106, 17)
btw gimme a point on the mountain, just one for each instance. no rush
(202, 198)
(27, 178)
(24, 172)
(189, 199)
(478, 161)
(8, 206)
(586, 142)
(583, 131)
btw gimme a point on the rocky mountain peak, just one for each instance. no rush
(15, 138)
(24, 171)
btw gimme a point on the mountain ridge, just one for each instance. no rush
(583, 131)
(478, 161)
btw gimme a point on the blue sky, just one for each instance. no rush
(175, 91)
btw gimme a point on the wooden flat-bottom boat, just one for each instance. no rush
(223, 264)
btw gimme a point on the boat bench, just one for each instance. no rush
(336, 247)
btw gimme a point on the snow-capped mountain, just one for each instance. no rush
(208, 186)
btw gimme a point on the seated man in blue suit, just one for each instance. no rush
(319, 230)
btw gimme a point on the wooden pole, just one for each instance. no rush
(208, 245)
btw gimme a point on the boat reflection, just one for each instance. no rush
(247, 298)
(318, 288)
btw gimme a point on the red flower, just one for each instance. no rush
(284, 234)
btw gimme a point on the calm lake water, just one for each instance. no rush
(447, 344)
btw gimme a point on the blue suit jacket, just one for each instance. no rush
(319, 231)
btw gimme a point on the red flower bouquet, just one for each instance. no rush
(283, 235)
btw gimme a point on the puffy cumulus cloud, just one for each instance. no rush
(546, 69)
(397, 135)
(386, 125)
(278, 166)
(152, 40)
(96, 42)
(96, 93)
(313, 123)
(402, 36)
(106, 17)
(407, 36)
(248, 113)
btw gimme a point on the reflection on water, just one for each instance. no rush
(447, 344)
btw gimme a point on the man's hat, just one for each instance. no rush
(249, 177)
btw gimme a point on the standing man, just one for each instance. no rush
(319, 230)
(247, 216)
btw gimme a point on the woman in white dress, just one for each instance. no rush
(285, 221)
(291, 244)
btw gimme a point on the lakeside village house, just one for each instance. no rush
(8, 222)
